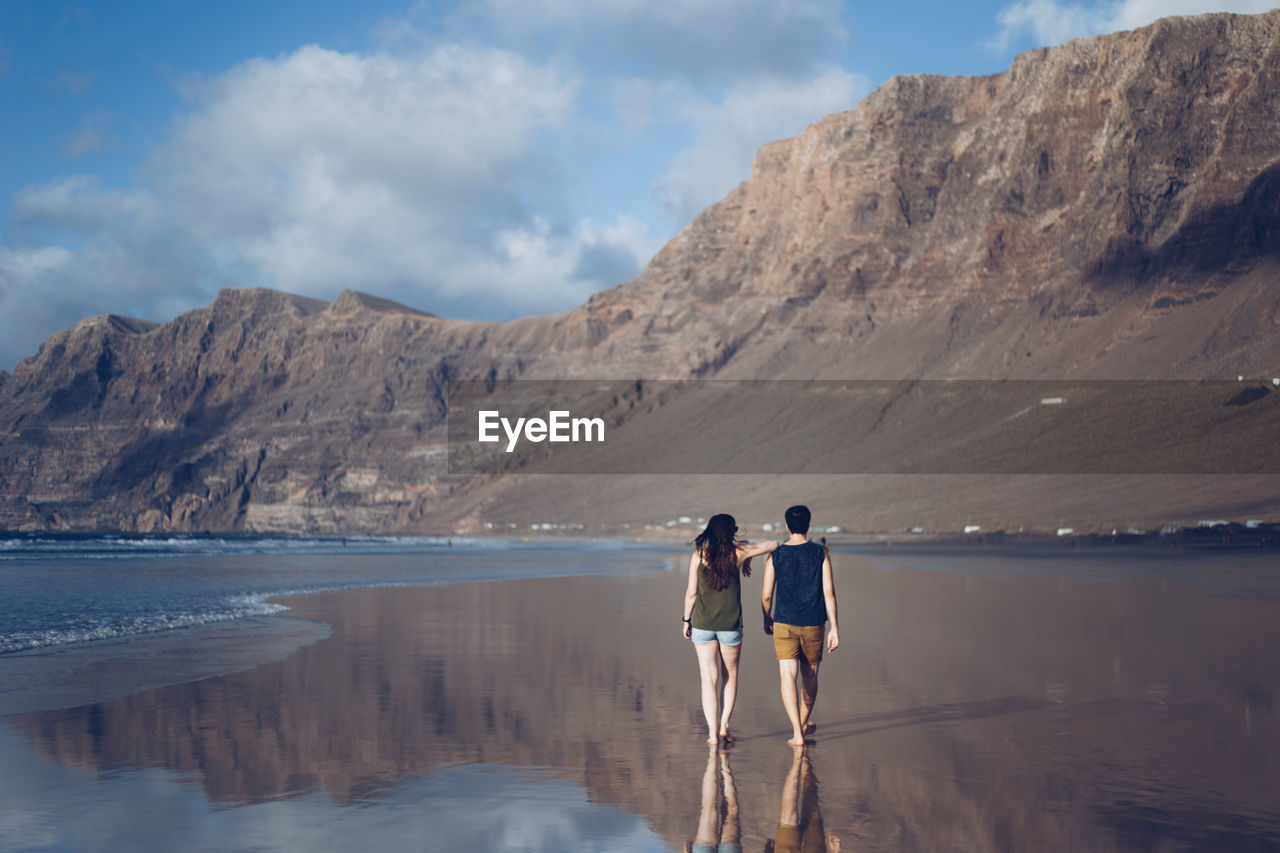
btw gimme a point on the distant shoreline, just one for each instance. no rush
(1218, 535)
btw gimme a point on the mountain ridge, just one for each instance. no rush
(1108, 208)
(829, 210)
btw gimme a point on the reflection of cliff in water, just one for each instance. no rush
(411, 679)
(964, 709)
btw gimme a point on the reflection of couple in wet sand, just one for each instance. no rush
(799, 821)
(798, 598)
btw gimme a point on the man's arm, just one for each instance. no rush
(829, 595)
(766, 594)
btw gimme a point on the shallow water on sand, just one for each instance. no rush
(979, 701)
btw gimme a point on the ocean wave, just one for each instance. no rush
(130, 626)
(111, 546)
(63, 597)
(117, 626)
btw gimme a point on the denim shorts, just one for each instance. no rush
(725, 638)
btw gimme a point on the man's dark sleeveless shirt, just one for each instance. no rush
(798, 573)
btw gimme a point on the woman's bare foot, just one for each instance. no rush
(797, 740)
(727, 737)
(713, 739)
(810, 728)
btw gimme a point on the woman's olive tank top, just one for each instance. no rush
(718, 609)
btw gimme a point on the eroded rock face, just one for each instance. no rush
(226, 415)
(1128, 172)
(1106, 208)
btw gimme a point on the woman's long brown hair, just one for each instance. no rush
(718, 548)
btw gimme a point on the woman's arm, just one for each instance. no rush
(746, 552)
(690, 595)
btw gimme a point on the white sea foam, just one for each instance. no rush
(55, 594)
(134, 625)
(114, 546)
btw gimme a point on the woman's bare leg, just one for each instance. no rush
(709, 669)
(731, 832)
(709, 816)
(729, 654)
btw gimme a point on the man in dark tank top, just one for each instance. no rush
(798, 598)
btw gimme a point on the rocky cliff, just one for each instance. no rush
(1106, 208)
(1030, 223)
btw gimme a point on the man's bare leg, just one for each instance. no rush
(709, 669)
(790, 815)
(808, 694)
(787, 671)
(730, 656)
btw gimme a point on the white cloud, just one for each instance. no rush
(572, 265)
(728, 75)
(439, 175)
(1047, 22)
(77, 83)
(86, 140)
(727, 134)
(1137, 13)
(33, 263)
(420, 177)
(46, 804)
(699, 40)
(47, 288)
(42, 289)
(91, 137)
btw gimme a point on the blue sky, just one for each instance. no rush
(480, 160)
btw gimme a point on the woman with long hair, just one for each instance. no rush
(713, 616)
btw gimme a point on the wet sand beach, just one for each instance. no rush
(1108, 701)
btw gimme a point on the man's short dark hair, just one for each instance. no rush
(798, 519)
